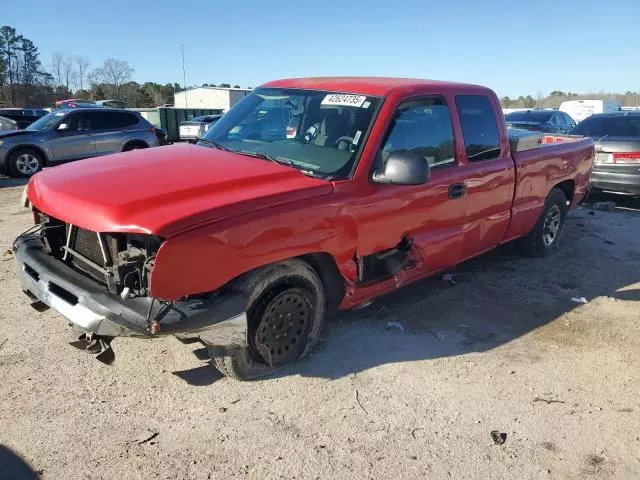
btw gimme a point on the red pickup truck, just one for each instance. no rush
(310, 195)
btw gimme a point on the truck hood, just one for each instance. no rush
(166, 190)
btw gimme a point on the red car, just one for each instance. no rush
(248, 240)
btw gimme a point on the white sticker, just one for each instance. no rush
(366, 104)
(356, 137)
(340, 99)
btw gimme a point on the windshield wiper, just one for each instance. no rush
(281, 161)
(264, 156)
(206, 141)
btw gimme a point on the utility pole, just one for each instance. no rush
(184, 79)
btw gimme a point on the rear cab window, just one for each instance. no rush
(479, 127)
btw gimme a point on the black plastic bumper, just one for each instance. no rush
(219, 320)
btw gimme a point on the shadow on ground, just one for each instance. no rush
(498, 297)
(6, 182)
(13, 467)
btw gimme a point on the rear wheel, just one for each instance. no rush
(24, 162)
(544, 239)
(285, 313)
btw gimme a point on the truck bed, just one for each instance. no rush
(560, 159)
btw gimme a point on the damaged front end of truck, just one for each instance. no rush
(101, 283)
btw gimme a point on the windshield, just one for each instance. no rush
(46, 122)
(528, 116)
(612, 126)
(318, 132)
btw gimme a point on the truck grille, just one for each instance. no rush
(91, 252)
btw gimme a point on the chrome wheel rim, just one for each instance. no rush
(27, 164)
(551, 227)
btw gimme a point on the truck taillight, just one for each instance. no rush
(152, 130)
(627, 157)
(290, 132)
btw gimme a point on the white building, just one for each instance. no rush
(210, 97)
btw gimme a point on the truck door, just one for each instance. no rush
(428, 217)
(490, 174)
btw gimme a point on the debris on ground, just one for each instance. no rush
(145, 436)
(498, 437)
(360, 404)
(413, 432)
(579, 300)
(605, 240)
(604, 206)
(397, 325)
(548, 400)
(3, 342)
(362, 306)
(448, 277)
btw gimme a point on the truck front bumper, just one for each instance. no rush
(217, 320)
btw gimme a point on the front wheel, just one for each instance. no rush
(544, 239)
(24, 162)
(285, 311)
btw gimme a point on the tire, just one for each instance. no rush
(24, 162)
(286, 308)
(134, 146)
(545, 237)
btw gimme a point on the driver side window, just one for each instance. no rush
(422, 127)
(79, 122)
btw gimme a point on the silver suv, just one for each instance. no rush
(73, 134)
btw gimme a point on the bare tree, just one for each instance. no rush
(113, 73)
(82, 63)
(67, 71)
(57, 61)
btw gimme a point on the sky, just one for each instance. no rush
(514, 47)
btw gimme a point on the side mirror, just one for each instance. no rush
(404, 169)
(62, 127)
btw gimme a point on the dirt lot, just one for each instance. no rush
(505, 349)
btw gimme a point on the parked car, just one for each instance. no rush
(548, 121)
(73, 134)
(617, 164)
(111, 103)
(74, 103)
(6, 124)
(23, 116)
(247, 244)
(582, 109)
(161, 133)
(195, 128)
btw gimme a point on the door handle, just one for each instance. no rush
(457, 190)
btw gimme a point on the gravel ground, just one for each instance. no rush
(505, 349)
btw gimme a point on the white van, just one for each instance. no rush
(581, 109)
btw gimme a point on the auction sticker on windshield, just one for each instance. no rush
(343, 100)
